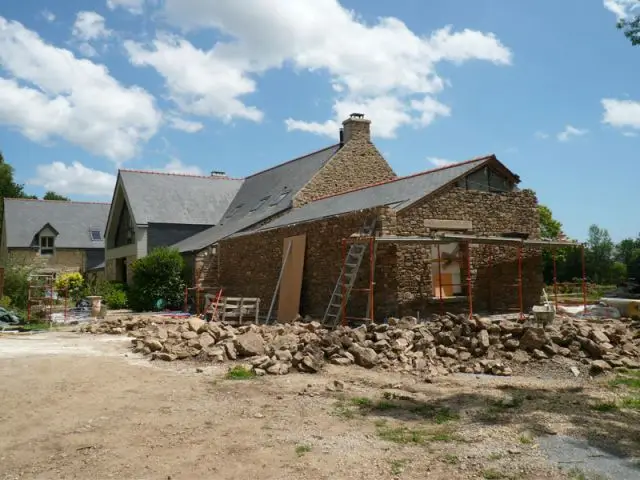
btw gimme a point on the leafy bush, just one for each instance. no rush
(158, 277)
(16, 285)
(5, 302)
(70, 283)
(115, 296)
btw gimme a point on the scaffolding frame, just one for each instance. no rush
(468, 240)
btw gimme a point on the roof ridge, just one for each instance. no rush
(293, 160)
(192, 175)
(397, 179)
(58, 201)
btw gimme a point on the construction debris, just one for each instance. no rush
(446, 344)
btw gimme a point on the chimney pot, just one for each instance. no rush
(356, 127)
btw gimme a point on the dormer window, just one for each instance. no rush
(96, 235)
(46, 245)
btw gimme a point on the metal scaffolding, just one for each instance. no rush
(467, 240)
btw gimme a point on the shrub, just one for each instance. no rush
(5, 302)
(71, 283)
(157, 278)
(116, 296)
(16, 285)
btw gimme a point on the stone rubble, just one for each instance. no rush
(442, 345)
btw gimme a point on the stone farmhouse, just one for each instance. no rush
(232, 232)
(54, 236)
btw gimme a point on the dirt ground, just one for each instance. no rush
(78, 406)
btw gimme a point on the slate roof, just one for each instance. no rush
(24, 218)
(261, 196)
(398, 193)
(173, 198)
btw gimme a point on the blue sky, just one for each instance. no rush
(191, 86)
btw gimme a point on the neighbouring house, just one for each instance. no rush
(54, 236)
(152, 209)
(328, 196)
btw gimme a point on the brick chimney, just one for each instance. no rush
(356, 127)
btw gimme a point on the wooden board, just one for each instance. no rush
(291, 284)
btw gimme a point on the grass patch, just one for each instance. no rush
(605, 407)
(385, 405)
(398, 466)
(451, 459)
(35, 326)
(404, 435)
(630, 382)
(491, 474)
(495, 456)
(380, 423)
(240, 373)
(439, 415)
(302, 449)
(362, 402)
(343, 410)
(526, 439)
(632, 403)
(576, 474)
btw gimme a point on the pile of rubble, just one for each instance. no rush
(450, 343)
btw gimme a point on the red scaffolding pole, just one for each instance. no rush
(490, 275)
(584, 281)
(555, 279)
(469, 284)
(520, 300)
(440, 280)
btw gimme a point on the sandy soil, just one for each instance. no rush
(83, 407)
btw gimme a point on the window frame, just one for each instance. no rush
(47, 250)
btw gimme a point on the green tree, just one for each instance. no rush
(628, 253)
(55, 196)
(631, 26)
(550, 228)
(599, 258)
(157, 280)
(8, 187)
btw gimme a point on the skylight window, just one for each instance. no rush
(96, 235)
(280, 197)
(260, 203)
(234, 211)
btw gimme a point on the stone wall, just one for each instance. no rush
(357, 163)
(63, 260)
(249, 265)
(494, 269)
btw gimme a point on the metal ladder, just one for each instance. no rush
(349, 272)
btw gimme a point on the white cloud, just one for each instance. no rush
(90, 26)
(571, 131)
(133, 6)
(621, 8)
(87, 50)
(48, 16)
(630, 134)
(54, 94)
(541, 135)
(384, 64)
(440, 162)
(74, 178)
(198, 82)
(621, 113)
(175, 165)
(188, 126)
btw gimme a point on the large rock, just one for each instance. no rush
(534, 338)
(599, 336)
(483, 338)
(205, 340)
(196, 324)
(598, 367)
(249, 344)
(365, 357)
(153, 344)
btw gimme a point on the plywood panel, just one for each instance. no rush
(291, 284)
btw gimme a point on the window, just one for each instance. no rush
(280, 197)
(96, 235)
(46, 245)
(446, 275)
(485, 180)
(260, 203)
(235, 209)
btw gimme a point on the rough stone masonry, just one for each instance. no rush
(445, 344)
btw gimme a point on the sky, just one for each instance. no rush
(190, 86)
